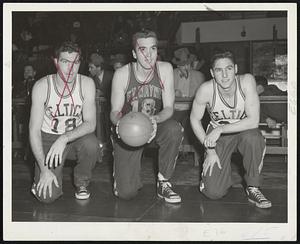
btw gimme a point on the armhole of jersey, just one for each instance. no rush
(80, 88)
(240, 87)
(159, 76)
(48, 90)
(214, 95)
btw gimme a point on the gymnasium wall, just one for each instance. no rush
(230, 30)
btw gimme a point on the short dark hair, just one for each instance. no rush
(69, 47)
(143, 33)
(97, 60)
(221, 53)
(261, 80)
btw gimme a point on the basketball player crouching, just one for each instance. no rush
(62, 122)
(233, 105)
(147, 86)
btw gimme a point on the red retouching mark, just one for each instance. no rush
(65, 85)
(139, 88)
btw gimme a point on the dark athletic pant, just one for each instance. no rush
(127, 160)
(251, 144)
(84, 150)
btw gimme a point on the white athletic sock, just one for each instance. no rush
(160, 177)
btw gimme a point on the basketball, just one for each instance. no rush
(135, 129)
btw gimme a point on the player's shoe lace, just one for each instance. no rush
(164, 190)
(255, 196)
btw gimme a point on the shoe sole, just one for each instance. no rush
(169, 200)
(258, 205)
(82, 197)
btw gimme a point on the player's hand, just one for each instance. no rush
(154, 125)
(211, 139)
(271, 123)
(45, 183)
(54, 156)
(209, 162)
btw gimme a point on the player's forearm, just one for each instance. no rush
(85, 128)
(244, 124)
(165, 114)
(115, 116)
(198, 130)
(35, 138)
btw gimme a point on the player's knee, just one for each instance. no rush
(48, 199)
(91, 145)
(253, 137)
(126, 194)
(56, 193)
(214, 193)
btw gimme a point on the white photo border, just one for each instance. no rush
(149, 231)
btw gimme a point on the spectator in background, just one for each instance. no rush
(186, 83)
(186, 80)
(118, 60)
(29, 76)
(26, 42)
(75, 36)
(23, 88)
(102, 79)
(271, 113)
(197, 64)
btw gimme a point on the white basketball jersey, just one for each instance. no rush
(63, 112)
(221, 112)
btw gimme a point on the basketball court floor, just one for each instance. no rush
(147, 207)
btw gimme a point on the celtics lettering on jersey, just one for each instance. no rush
(143, 97)
(226, 116)
(221, 112)
(62, 113)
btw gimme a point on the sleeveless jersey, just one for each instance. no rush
(221, 112)
(143, 96)
(62, 113)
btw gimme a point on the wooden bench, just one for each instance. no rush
(277, 134)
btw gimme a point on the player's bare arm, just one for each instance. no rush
(202, 98)
(36, 119)
(119, 84)
(39, 94)
(198, 108)
(168, 93)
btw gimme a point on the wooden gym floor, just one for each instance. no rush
(146, 207)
